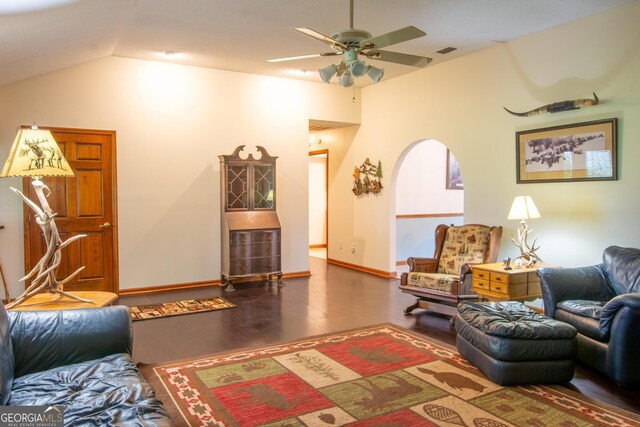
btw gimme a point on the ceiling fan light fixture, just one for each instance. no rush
(327, 73)
(375, 73)
(346, 80)
(358, 68)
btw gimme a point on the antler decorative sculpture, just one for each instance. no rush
(48, 265)
(559, 106)
(527, 253)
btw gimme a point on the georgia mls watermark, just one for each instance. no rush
(31, 416)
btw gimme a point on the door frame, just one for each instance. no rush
(26, 212)
(326, 193)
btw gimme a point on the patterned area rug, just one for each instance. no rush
(382, 375)
(153, 311)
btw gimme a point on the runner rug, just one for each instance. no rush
(377, 376)
(153, 311)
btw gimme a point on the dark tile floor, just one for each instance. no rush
(333, 299)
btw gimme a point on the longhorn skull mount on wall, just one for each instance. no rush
(559, 106)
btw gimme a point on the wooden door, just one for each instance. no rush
(85, 204)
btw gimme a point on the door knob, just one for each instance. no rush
(105, 225)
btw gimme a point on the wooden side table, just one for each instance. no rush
(45, 301)
(493, 282)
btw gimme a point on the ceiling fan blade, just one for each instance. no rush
(399, 58)
(293, 58)
(394, 37)
(321, 37)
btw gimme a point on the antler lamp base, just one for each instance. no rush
(527, 253)
(45, 270)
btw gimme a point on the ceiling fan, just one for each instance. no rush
(354, 43)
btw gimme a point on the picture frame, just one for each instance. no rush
(576, 152)
(454, 176)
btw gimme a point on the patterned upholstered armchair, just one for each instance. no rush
(441, 282)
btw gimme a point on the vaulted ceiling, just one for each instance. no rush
(38, 36)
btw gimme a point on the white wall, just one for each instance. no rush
(460, 102)
(172, 122)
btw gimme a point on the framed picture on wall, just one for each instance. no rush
(454, 177)
(577, 152)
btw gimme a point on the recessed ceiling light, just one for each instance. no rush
(20, 6)
(171, 54)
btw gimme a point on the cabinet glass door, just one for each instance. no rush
(237, 191)
(263, 189)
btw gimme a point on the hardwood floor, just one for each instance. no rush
(333, 299)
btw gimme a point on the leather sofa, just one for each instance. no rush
(603, 303)
(79, 359)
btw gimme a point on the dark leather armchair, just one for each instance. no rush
(79, 359)
(603, 303)
(441, 282)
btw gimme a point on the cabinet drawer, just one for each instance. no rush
(259, 236)
(240, 237)
(480, 274)
(254, 236)
(254, 250)
(254, 265)
(481, 284)
(501, 288)
(500, 278)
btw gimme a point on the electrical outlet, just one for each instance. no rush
(353, 248)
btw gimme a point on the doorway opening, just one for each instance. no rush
(429, 191)
(318, 203)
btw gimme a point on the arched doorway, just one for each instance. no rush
(429, 190)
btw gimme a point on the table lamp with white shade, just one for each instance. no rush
(523, 209)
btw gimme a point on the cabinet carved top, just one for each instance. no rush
(264, 156)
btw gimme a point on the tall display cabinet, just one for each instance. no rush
(250, 229)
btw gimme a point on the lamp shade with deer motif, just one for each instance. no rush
(35, 153)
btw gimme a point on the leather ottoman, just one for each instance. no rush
(513, 345)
